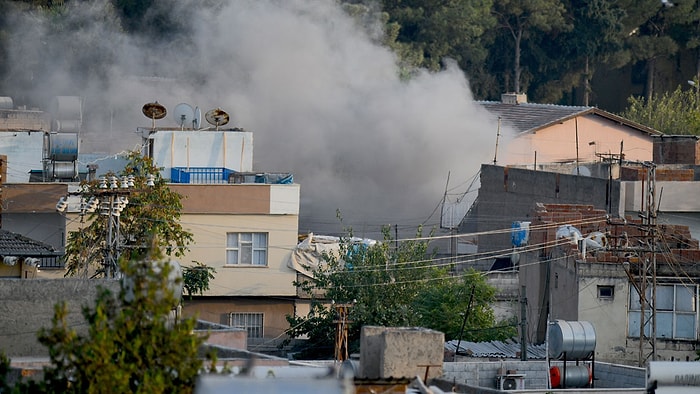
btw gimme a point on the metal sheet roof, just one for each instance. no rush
(497, 349)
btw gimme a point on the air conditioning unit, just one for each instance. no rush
(510, 382)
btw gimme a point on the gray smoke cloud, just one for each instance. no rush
(323, 100)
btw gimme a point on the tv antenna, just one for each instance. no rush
(217, 117)
(154, 111)
(184, 115)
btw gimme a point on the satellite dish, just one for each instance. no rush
(217, 117)
(197, 121)
(154, 111)
(184, 115)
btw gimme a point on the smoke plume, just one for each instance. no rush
(323, 99)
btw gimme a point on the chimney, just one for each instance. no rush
(514, 98)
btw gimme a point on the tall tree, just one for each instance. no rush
(151, 211)
(649, 25)
(441, 29)
(520, 18)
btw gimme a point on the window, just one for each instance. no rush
(606, 292)
(676, 312)
(246, 248)
(251, 322)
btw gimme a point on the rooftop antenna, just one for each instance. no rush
(184, 115)
(217, 117)
(154, 111)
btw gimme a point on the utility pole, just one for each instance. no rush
(647, 274)
(341, 331)
(523, 324)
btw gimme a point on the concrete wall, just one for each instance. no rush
(509, 194)
(28, 305)
(400, 352)
(483, 374)
(209, 247)
(218, 309)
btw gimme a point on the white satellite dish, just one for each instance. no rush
(197, 121)
(184, 115)
(217, 117)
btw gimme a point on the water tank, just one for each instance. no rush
(66, 108)
(63, 146)
(66, 125)
(575, 338)
(60, 170)
(576, 376)
(520, 233)
(673, 374)
(6, 103)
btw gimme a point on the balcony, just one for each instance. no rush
(212, 175)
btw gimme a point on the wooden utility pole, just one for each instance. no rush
(341, 331)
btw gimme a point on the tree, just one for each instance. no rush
(151, 212)
(388, 284)
(677, 112)
(133, 343)
(521, 18)
(196, 278)
(443, 306)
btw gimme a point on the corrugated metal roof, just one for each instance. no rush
(528, 117)
(496, 349)
(12, 244)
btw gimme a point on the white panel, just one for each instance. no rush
(284, 199)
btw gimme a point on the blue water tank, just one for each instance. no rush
(520, 233)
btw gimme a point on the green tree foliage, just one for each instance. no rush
(388, 283)
(677, 112)
(151, 211)
(443, 305)
(196, 278)
(132, 345)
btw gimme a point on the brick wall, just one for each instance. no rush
(676, 150)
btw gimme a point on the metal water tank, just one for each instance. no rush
(575, 376)
(576, 339)
(63, 146)
(66, 108)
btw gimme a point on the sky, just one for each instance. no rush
(323, 99)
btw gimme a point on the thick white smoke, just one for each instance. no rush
(323, 100)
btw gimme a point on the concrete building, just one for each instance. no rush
(555, 133)
(570, 277)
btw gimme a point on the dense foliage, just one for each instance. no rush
(676, 112)
(133, 343)
(151, 210)
(390, 284)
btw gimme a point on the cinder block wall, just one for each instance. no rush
(483, 374)
(28, 305)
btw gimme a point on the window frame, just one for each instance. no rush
(604, 296)
(248, 247)
(254, 329)
(675, 314)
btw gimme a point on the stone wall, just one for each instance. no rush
(28, 305)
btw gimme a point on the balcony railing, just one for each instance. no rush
(209, 175)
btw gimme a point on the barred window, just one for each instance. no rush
(251, 322)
